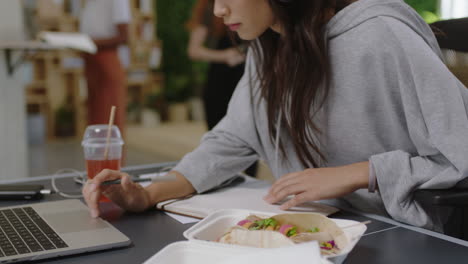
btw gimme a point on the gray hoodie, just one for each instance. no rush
(392, 102)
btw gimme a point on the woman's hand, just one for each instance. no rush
(319, 184)
(233, 57)
(128, 195)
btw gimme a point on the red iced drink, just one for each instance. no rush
(102, 153)
(94, 167)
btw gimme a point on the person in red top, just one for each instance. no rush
(106, 22)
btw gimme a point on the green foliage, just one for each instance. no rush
(156, 101)
(428, 9)
(64, 121)
(179, 88)
(172, 15)
(430, 17)
(423, 5)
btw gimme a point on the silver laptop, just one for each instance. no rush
(51, 229)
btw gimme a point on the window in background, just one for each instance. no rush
(453, 9)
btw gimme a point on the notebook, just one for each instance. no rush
(51, 229)
(246, 193)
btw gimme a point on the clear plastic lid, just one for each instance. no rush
(97, 134)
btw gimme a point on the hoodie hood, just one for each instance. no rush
(364, 10)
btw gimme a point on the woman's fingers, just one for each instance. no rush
(296, 200)
(285, 180)
(107, 175)
(287, 177)
(120, 193)
(91, 195)
(126, 183)
(128, 195)
(303, 185)
(279, 190)
(92, 190)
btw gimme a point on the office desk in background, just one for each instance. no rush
(385, 241)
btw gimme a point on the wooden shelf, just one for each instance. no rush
(35, 85)
(35, 99)
(77, 71)
(132, 83)
(147, 16)
(54, 85)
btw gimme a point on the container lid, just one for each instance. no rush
(201, 252)
(98, 133)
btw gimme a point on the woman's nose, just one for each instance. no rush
(220, 9)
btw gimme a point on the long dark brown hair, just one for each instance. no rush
(294, 72)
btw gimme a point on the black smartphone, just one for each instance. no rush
(20, 191)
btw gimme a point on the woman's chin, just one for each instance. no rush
(246, 36)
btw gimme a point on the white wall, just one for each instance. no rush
(13, 148)
(453, 9)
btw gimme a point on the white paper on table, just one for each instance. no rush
(183, 219)
(247, 195)
(302, 253)
(71, 40)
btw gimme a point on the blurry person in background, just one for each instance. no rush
(211, 42)
(106, 22)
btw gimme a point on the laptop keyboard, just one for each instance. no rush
(22, 231)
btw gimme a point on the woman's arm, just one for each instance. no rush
(223, 152)
(132, 196)
(232, 146)
(163, 191)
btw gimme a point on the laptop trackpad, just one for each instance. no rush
(73, 221)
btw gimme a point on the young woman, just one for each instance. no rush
(343, 99)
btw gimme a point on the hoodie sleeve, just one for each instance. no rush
(434, 103)
(229, 148)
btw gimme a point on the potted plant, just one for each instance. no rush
(65, 121)
(153, 107)
(176, 65)
(133, 112)
(177, 92)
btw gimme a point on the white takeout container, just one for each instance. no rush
(203, 248)
(200, 252)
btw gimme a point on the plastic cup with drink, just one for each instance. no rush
(102, 150)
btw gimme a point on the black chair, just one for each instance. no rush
(454, 198)
(451, 35)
